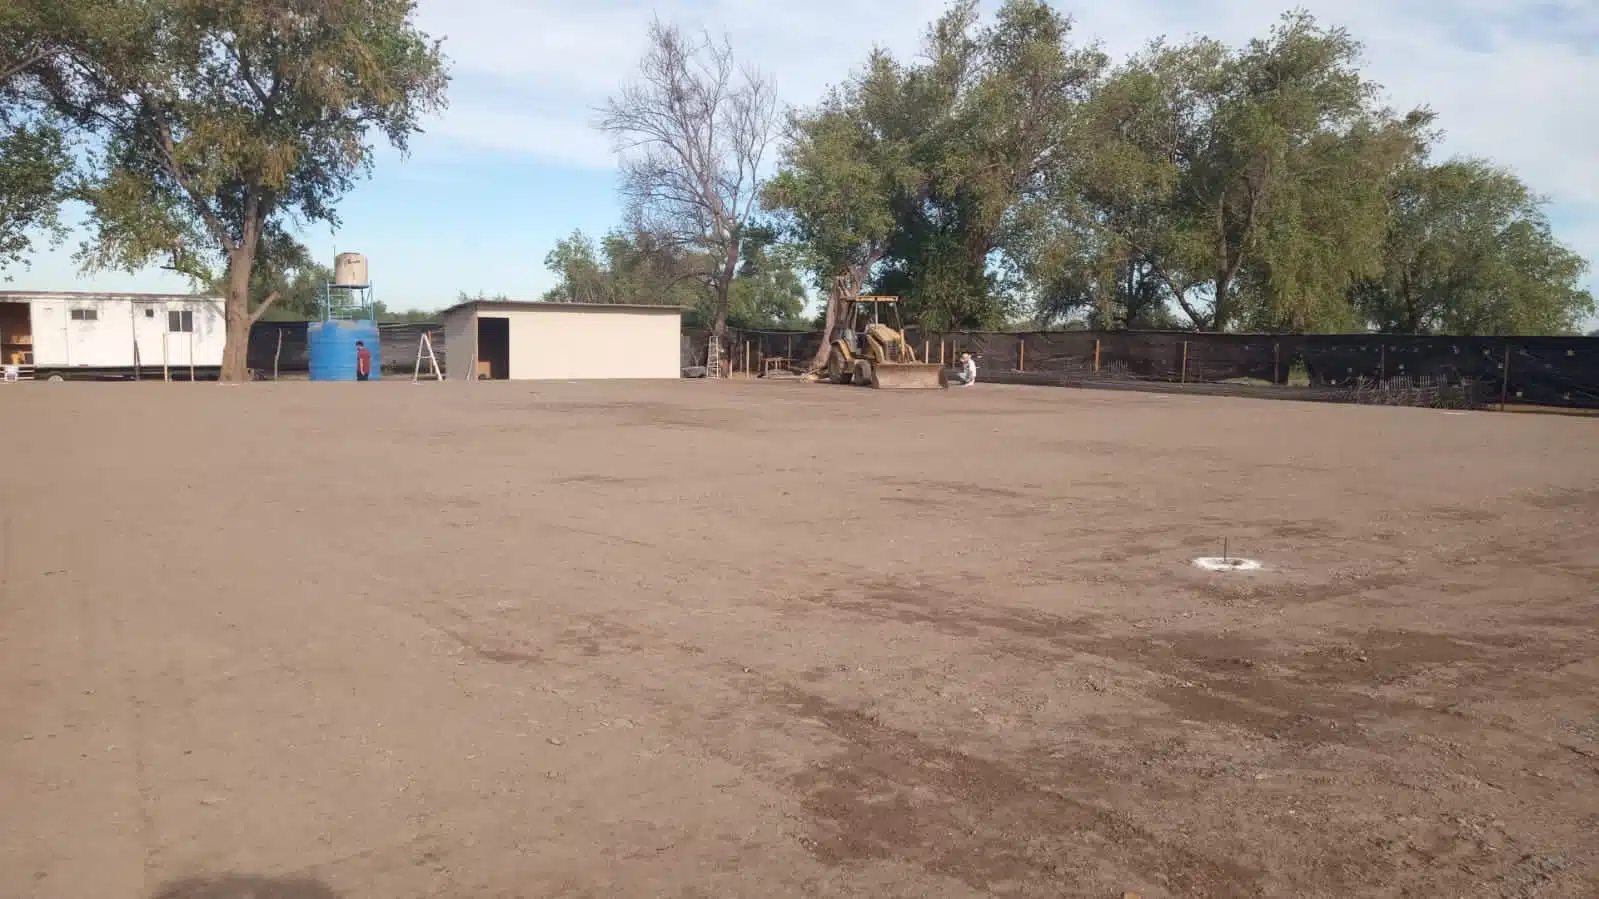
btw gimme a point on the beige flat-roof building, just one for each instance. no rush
(522, 341)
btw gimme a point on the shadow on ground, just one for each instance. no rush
(236, 886)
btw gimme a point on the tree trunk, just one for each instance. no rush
(236, 306)
(724, 286)
(845, 291)
(1222, 311)
(829, 322)
(719, 320)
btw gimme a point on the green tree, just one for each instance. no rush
(34, 159)
(991, 121)
(768, 292)
(935, 180)
(384, 314)
(1469, 250)
(224, 121)
(284, 273)
(639, 268)
(845, 171)
(648, 269)
(33, 181)
(1015, 139)
(583, 279)
(1248, 184)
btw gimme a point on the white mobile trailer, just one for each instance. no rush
(111, 335)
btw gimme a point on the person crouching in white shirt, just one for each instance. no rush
(966, 371)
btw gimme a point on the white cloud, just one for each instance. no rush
(1509, 79)
(566, 139)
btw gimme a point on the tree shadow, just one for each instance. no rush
(240, 886)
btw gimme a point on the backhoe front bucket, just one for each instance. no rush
(908, 375)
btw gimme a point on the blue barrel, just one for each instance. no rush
(332, 346)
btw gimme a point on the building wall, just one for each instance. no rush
(107, 340)
(460, 342)
(570, 344)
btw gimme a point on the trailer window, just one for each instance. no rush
(85, 315)
(180, 322)
(149, 313)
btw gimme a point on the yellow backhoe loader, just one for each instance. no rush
(878, 355)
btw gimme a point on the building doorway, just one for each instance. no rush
(16, 334)
(493, 349)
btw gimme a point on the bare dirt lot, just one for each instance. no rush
(295, 641)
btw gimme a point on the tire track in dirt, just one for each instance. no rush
(869, 791)
(892, 794)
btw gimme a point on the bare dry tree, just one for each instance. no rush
(692, 131)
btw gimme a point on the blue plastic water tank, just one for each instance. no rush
(332, 346)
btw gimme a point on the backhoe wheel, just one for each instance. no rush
(837, 372)
(863, 373)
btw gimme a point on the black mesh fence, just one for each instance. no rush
(282, 347)
(1451, 372)
(1365, 368)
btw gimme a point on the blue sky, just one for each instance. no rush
(515, 164)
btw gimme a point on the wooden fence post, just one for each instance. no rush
(1021, 354)
(746, 359)
(1382, 362)
(1096, 355)
(1504, 381)
(278, 353)
(1184, 375)
(927, 350)
(1276, 363)
(940, 351)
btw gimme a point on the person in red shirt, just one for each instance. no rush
(363, 361)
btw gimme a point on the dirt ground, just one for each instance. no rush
(296, 641)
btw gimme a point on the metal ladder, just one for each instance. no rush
(713, 358)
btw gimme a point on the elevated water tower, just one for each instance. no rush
(349, 315)
(348, 297)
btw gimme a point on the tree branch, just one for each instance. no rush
(28, 61)
(265, 305)
(246, 73)
(169, 152)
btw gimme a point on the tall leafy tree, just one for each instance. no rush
(994, 114)
(933, 180)
(222, 122)
(846, 171)
(34, 159)
(1469, 250)
(1248, 184)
